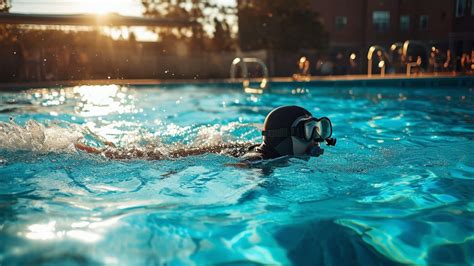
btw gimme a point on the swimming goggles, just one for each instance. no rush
(305, 127)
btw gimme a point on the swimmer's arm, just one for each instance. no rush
(88, 149)
(193, 151)
(231, 149)
(113, 153)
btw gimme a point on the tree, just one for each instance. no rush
(6, 37)
(5, 6)
(280, 25)
(222, 40)
(203, 12)
(9, 50)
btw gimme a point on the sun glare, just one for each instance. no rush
(124, 7)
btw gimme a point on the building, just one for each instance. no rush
(362, 23)
(355, 25)
(461, 38)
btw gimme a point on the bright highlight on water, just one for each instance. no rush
(396, 189)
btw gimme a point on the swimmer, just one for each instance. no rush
(287, 131)
(291, 131)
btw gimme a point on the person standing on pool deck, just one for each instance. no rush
(287, 131)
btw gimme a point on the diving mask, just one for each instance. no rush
(311, 128)
(307, 128)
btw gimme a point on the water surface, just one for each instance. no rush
(397, 189)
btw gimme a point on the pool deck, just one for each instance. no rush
(397, 80)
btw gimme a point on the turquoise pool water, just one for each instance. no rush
(397, 189)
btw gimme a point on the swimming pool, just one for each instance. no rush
(397, 189)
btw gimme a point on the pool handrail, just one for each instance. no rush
(411, 65)
(382, 64)
(243, 62)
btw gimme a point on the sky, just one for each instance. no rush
(123, 7)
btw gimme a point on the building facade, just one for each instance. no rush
(461, 38)
(355, 25)
(362, 23)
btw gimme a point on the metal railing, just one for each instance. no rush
(92, 20)
(243, 63)
(411, 65)
(382, 64)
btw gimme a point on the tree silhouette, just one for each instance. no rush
(222, 40)
(201, 11)
(280, 25)
(5, 6)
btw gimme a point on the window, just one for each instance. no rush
(381, 20)
(423, 22)
(405, 23)
(472, 7)
(340, 22)
(460, 7)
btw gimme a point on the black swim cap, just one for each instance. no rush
(282, 117)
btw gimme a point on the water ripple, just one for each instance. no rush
(397, 189)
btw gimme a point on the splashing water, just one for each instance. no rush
(36, 137)
(60, 136)
(397, 189)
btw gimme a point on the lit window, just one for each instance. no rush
(460, 7)
(341, 22)
(381, 20)
(405, 23)
(423, 22)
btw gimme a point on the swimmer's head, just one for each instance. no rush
(292, 130)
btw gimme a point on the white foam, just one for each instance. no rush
(36, 137)
(218, 134)
(60, 136)
(208, 136)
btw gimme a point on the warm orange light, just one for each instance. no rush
(124, 7)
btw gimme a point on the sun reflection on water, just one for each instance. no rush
(103, 100)
(88, 231)
(89, 100)
(48, 231)
(43, 231)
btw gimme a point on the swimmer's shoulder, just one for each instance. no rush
(255, 156)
